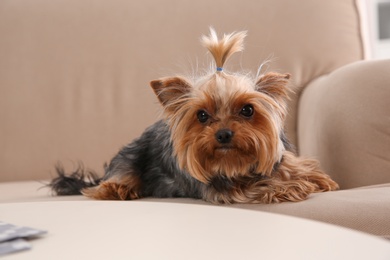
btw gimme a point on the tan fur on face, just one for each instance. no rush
(256, 145)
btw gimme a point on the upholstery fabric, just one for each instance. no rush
(344, 121)
(365, 209)
(74, 74)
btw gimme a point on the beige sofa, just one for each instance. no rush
(74, 87)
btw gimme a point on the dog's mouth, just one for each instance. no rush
(225, 148)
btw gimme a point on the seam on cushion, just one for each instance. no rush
(363, 48)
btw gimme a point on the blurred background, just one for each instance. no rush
(378, 22)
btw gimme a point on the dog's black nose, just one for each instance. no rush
(224, 136)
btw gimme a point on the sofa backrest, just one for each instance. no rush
(74, 75)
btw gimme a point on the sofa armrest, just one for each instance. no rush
(344, 121)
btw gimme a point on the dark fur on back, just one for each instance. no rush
(149, 157)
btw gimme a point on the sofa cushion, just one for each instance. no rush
(365, 209)
(344, 122)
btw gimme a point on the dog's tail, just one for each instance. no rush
(74, 183)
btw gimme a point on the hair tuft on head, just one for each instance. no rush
(222, 49)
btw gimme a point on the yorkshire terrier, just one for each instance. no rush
(221, 140)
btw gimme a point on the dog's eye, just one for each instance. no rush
(247, 111)
(203, 116)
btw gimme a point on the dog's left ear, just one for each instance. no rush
(274, 84)
(170, 91)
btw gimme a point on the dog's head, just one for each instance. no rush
(225, 124)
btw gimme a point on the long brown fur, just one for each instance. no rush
(257, 146)
(294, 180)
(185, 150)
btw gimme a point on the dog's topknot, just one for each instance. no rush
(222, 49)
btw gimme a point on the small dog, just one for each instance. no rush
(221, 140)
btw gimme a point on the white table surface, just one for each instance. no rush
(148, 229)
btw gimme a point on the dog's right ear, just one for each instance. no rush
(171, 92)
